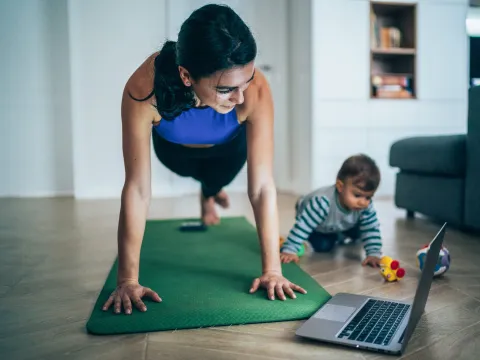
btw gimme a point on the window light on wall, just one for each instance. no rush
(473, 22)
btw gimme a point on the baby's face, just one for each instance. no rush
(354, 198)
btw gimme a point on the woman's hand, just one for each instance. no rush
(275, 282)
(127, 293)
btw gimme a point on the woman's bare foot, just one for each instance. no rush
(222, 199)
(209, 214)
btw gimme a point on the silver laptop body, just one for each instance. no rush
(372, 323)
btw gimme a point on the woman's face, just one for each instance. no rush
(223, 90)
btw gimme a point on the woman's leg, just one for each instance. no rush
(214, 174)
(219, 169)
(214, 167)
(176, 161)
(185, 162)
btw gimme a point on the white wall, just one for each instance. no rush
(63, 68)
(299, 92)
(346, 121)
(473, 21)
(35, 124)
(108, 41)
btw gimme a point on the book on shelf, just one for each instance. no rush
(374, 31)
(384, 36)
(392, 86)
(390, 37)
(402, 94)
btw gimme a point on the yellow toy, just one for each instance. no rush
(301, 252)
(390, 269)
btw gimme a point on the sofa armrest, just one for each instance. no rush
(433, 155)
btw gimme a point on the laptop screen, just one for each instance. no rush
(424, 285)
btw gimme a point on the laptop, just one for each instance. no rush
(372, 323)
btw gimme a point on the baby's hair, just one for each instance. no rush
(362, 170)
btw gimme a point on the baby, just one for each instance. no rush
(334, 213)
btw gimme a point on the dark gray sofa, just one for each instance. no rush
(439, 176)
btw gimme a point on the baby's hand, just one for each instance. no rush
(373, 261)
(286, 258)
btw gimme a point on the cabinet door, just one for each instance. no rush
(340, 44)
(442, 51)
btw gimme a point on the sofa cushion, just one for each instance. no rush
(421, 193)
(433, 155)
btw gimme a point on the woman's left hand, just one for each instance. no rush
(275, 283)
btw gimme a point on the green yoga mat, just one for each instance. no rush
(204, 279)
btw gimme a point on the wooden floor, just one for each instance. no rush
(55, 255)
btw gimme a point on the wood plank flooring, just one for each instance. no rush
(55, 255)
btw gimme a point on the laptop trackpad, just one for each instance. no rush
(335, 312)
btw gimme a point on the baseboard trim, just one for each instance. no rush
(37, 195)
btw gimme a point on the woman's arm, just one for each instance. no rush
(261, 185)
(136, 130)
(262, 191)
(135, 201)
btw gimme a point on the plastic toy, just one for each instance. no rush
(301, 252)
(390, 269)
(443, 262)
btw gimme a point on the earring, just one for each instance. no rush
(187, 83)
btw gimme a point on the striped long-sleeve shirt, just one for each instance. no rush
(320, 211)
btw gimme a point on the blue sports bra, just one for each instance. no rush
(201, 125)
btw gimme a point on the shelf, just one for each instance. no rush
(394, 51)
(412, 97)
(391, 8)
(392, 64)
(391, 74)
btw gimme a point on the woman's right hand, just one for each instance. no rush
(129, 293)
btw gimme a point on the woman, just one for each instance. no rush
(208, 103)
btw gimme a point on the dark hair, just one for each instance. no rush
(212, 39)
(362, 170)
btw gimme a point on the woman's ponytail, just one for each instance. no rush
(172, 96)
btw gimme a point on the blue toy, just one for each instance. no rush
(443, 262)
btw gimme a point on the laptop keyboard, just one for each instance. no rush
(376, 322)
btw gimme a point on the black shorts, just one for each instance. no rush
(214, 167)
